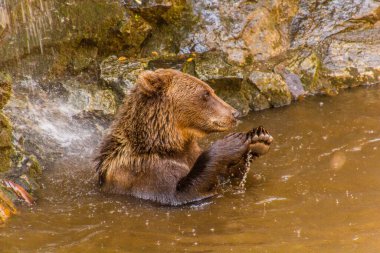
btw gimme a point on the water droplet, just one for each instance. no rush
(338, 160)
(298, 232)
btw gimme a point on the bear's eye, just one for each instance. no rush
(206, 95)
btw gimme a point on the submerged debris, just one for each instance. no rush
(11, 192)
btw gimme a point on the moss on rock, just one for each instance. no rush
(272, 86)
(35, 168)
(5, 88)
(310, 69)
(6, 147)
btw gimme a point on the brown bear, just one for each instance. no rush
(151, 151)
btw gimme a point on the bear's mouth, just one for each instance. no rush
(224, 126)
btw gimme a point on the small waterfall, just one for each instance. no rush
(58, 122)
(4, 17)
(25, 25)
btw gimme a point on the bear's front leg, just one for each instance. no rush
(213, 163)
(225, 158)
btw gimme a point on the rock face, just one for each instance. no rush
(317, 20)
(14, 161)
(351, 58)
(245, 30)
(327, 44)
(272, 87)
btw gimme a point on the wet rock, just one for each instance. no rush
(84, 58)
(224, 78)
(121, 75)
(317, 20)
(242, 29)
(63, 118)
(308, 66)
(6, 146)
(351, 59)
(55, 23)
(25, 170)
(73, 34)
(272, 86)
(169, 61)
(266, 32)
(134, 30)
(165, 40)
(214, 65)
(5, 88)
(10, 156)
(292, 80)
(294, 84)
(256, 100)
(169, 29)
(149, 10)
(88, 98)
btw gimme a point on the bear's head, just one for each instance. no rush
(167, 109)
(196, 109)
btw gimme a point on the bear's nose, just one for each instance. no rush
(236, 114)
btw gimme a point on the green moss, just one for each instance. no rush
(5, 88)
(272, 86)
(249, 60)
(311, 68)
(189, 67)
(6, 147)
(318, 67)
(35, 167)
(134, 30)
(91, 19)
(178, 11)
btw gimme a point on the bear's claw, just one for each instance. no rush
(260, 134)
(260, 141)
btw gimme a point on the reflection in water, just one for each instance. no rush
(316, 190)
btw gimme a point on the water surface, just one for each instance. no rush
(318, 190)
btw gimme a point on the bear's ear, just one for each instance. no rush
(151, 82)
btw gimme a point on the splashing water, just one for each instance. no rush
(247, 169)
(50, 123)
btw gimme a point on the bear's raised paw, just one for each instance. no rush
(260, 141)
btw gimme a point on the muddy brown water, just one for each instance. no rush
(318, 190)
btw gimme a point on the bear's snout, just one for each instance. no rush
(226, 116)
(226, 121)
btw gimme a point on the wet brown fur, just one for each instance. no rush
(151, 151)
